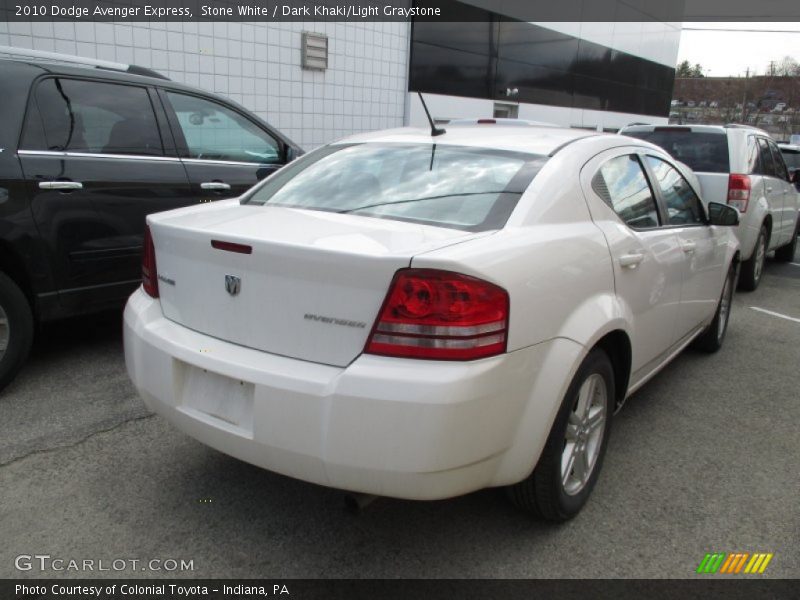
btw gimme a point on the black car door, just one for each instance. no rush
(225, 151)
(96, 164)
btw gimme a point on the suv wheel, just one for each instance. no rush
(16, 329)
(786, 253)
(753, 268)
(570, 462)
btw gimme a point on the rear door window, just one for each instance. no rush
(766, 160)
(92, 117)
(704, 152)
(780, 166)
(682, 204)
(621, 182)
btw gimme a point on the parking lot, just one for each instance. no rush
(702, 459)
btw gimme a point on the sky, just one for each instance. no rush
(723, 53)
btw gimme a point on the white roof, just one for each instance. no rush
(534, 140)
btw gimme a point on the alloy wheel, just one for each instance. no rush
(584, 434)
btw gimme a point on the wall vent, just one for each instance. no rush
(315, 51)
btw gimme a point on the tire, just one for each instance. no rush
(786, 253)
(753, 268)
(712, 338)
(16, 329)
(547, 493)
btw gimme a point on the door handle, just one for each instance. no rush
(688, 246)
(769, 188)
(632, 260)
(215, 185)
(60, 185)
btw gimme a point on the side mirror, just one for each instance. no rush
(794, 177)
(722, 214)
(292, 153)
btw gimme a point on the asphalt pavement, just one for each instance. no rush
(704, 458)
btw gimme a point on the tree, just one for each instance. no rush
(685, 69)
(788, 67)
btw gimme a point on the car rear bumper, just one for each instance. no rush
(393, 427)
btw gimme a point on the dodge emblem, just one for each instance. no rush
(233, 284)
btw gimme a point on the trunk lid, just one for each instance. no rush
(311, 287)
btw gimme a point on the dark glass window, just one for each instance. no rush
(791, 158)
(473, 189)
(33, 132)
(98, 118)
(703, 152)
(780, 166)
(765, 159)
(215, 132)
(485, 59)
(532, 45)
(440, 70)
(475, 36)
(621, 182)
(753, 150)
(683, 205)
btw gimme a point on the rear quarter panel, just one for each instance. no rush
(551, 258)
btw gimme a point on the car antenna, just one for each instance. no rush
(434, 130)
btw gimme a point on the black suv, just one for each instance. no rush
(85, 153)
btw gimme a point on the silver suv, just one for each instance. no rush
(743, 167)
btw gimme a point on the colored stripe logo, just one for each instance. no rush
(734, 563)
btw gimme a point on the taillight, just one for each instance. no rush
(440, 315)
(738, 191)
(149, 271)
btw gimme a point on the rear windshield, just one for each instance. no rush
(472, 189)
(791, 158)
(703, 152)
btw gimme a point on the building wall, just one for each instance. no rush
(592, 74)
(367, 82)
(257, 65)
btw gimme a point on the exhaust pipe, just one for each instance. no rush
(355, 502)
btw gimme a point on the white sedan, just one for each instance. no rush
(420, 316)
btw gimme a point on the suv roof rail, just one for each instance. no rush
(55, 57)
(741, 126)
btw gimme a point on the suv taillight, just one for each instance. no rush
(738, 191)
(149, 271)
(440, 315)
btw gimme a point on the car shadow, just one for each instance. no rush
(77, 332)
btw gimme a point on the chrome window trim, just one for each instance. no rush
(228, 162)
(143, 157)
(98, 155)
